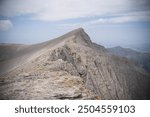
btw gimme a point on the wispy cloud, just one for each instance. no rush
(135, 17)
(116, 19)
(55, 10)
(5, 25)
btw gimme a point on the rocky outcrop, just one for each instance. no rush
(75, 68)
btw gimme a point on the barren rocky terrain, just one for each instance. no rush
(69, 67)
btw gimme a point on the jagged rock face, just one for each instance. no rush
(75, 68)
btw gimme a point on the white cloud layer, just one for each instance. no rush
(124, 18)
(117, 19)
(55, 10)
(5, 25)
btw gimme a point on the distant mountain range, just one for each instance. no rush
(143, 59)
(144, 48)
(72, 67)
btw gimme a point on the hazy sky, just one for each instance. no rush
(108, 22)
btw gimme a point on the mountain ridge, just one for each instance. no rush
(143, 59)
(71, 67)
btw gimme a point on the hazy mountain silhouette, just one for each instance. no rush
(143, 59)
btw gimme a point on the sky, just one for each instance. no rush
(107, 22)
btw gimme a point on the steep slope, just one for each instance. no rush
(143, 59)
(72, 67)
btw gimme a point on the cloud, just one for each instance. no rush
(121, 19)
(5, 25)
(56, 10)
(116, 19)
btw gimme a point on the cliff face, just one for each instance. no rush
(72, 67)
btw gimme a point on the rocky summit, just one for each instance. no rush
(69, 67)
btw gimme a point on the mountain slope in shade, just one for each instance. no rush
(70, 67)
(143, 59)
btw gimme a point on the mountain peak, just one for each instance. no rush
(77, 35)
(79, 30)
(76, 31)
(81, 36)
